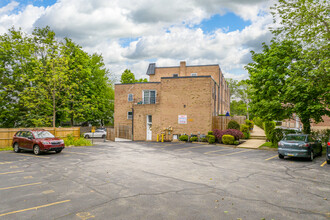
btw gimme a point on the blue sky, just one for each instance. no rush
(130, 34)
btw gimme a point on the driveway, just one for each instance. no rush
(139, 180)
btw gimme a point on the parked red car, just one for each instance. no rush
(37, 141)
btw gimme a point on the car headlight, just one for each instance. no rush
(45, 142)
(61, 142)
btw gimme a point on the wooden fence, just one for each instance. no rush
(111, 135)
(221, 122)
(7, 134)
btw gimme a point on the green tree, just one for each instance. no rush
(285, 81)
(237, 107)
(239, 90)
(45, 81)
(128, 77)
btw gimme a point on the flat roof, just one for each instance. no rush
(134, 83)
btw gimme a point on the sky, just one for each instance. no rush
(131, 34)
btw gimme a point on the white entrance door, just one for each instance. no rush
(149, 124)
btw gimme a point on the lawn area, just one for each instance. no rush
(268, 145)
(5, 148)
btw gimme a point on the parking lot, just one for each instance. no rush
(147, 180)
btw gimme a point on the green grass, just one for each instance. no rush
(5, 148)
(268, 144)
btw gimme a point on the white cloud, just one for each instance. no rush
(162, 30)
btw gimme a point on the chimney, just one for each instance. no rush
(182, 68)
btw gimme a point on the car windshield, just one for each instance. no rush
(43, 134)
(295, 138)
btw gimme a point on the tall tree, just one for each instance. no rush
(45, 81)
(284, 82)
(239, 91)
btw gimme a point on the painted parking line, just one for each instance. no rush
(34, 208)
(13, 187)
(1, 163)
(211, 152)
(202, 146)
(322, 165)
(271, 157)
(238, 152)
(18, 171)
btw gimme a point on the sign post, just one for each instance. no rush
(93, 131)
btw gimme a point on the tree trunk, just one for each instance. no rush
(306, 125)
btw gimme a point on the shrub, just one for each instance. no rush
(245, 128)
(257, 121)
(236, 142)
(72, 141)
(228, 139)
(323, 135)
(233, 125)
(246, 135)
(233, 132)
(210, 133)
(211, 139)
(203, 139)
(183, 138)
(193, 139)
(269, 126)
(249, 123)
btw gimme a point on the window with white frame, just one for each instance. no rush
(130, 97)
(149, 96)
(129, 115)
(193, 74)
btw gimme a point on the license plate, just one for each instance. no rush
(290, 155)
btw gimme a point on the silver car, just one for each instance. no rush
(99, 133)
(299, 145)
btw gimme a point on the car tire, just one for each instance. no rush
(311, 157)
(281, 156)
(36, 150)
(58, 151)
(87, 136)
(103, 136)
(328, 161)
(16, 148)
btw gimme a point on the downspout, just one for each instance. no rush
(132, 123)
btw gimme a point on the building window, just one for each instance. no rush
(175, 75)
(130, 97)
(193, 74)
(129, 115)
(149, 97)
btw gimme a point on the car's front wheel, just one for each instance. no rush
(280, 156)
(103, 136)
(58, 151)
(16, 148)
(87, 136)
(36, 150)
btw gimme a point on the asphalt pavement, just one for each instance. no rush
(147, 180)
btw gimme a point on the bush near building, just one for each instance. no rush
(183, 138)
(232, 124)
(192, 139)
(211, 139)
(228, 139)
(233, 132)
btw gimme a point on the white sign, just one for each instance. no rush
(182, 119)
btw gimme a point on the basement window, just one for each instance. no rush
(175, 75)
(193, 74)
(129, 115)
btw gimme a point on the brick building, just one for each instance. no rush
(176, 100)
